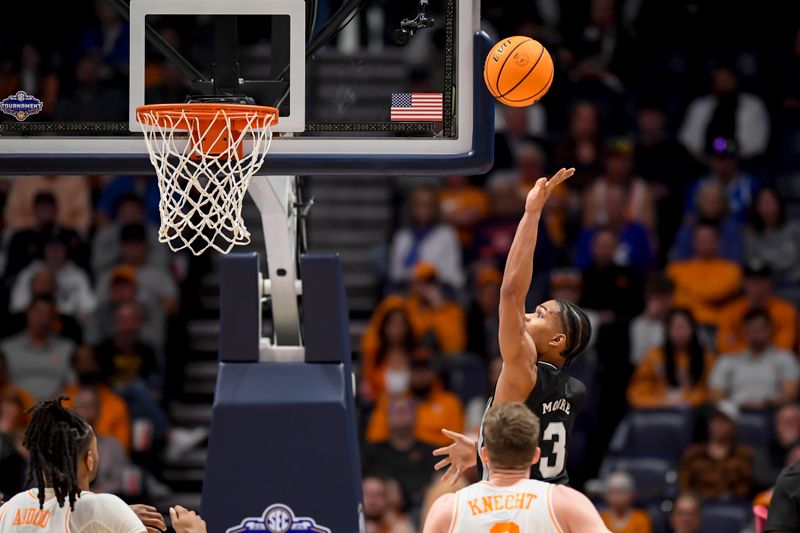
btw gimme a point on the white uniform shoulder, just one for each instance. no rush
(574, 512)
(103, 513)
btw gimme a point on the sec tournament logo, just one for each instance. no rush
(279, 518)
(21, 105)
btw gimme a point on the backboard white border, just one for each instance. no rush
(140, 9)
(468, 23)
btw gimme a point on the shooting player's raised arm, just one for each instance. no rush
(516, 346)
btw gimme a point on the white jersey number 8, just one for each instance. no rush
(557, 433)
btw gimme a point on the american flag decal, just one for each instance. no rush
(416, 107)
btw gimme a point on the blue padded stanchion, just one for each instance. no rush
(283, 448)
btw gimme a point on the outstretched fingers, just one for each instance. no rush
(443, 463)
(453, 435)
(560, 177)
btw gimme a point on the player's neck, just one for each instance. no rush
(84, 478)
(553, 359)
(505, 478)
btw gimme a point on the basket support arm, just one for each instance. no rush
(275, 198)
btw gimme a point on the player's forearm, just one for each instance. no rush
(519, 265)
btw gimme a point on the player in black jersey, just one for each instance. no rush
(535, 347)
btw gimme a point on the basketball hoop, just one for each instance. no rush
(205, 155)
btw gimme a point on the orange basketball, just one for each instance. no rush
(518, 71)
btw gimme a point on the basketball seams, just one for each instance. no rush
(525, 77)
(499, 74)
(494, 70)
(533, 97)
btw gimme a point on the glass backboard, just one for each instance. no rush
(352, 102)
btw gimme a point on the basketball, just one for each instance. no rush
(518, 71)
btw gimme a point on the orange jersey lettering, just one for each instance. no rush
(498, 502)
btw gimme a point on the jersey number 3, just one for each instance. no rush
(552, 466)
(505, 527)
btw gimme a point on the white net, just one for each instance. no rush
(204, 161)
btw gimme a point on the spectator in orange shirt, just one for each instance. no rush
(621, 516)
(463, 205)
(676, 373)
(705, 283)
(112, 417)
(387, 364)
(757, 295)
(437, 321)
(437, 408)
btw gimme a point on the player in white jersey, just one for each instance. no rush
(510, 502)
(63, 463)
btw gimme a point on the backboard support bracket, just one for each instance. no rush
(275, 197)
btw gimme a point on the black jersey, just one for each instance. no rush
(555, 400)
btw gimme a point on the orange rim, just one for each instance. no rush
(169, 115)
(210, 119)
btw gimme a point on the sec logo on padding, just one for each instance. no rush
(279, 518)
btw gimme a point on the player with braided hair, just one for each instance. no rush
(56, 438)
(535, 348)
(63, 463)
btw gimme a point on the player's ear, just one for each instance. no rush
(559, 339)
(90, 461)
(536, 456)
(484, 455)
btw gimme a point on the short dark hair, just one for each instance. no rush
(510, 435)
(599, 230)
(651, 103)
(41, 298)
(130, 198)
(133, 233)
(44, 197)
(757, 314)
(707, 223)
(427, 188)
(577, 328)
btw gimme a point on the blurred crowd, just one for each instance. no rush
(91, 305)
(679, 235)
